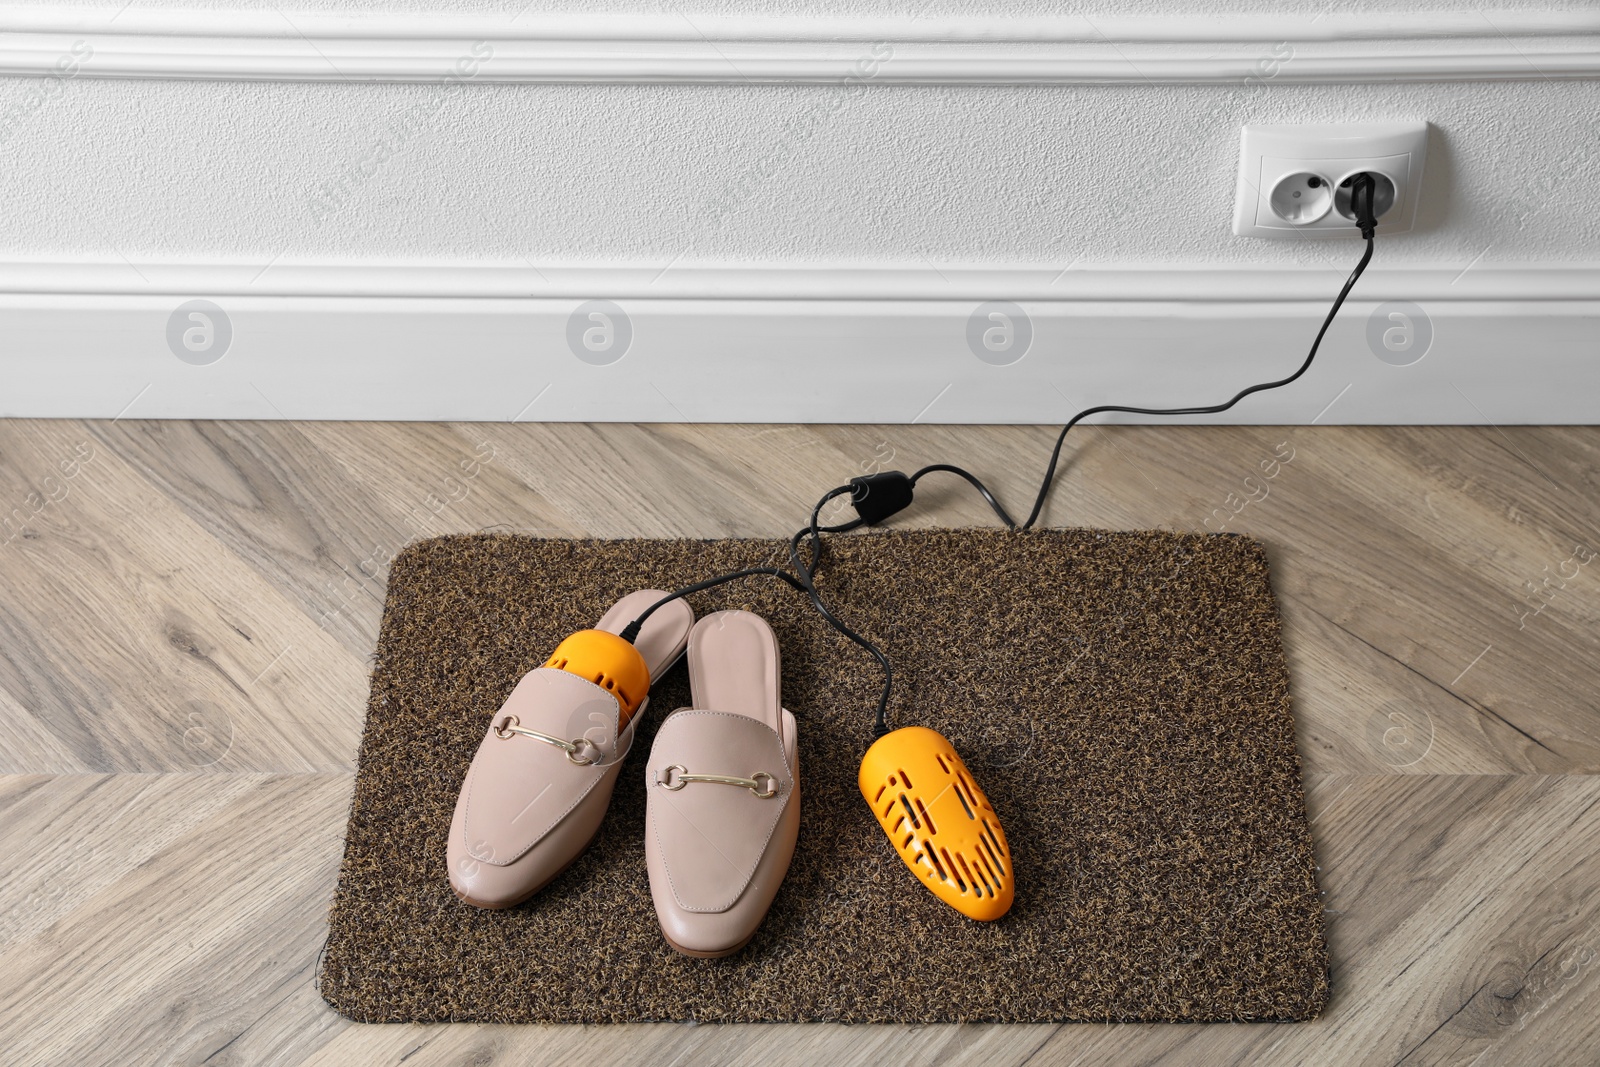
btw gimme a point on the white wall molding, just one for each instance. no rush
(681, 280)
(818, 344)
(136, 42)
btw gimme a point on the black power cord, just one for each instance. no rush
(1362, 191)
(804, 580)
(876, 497)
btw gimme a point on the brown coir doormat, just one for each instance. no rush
(1122, 698)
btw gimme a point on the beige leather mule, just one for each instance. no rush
(542, 778)
(723, 791)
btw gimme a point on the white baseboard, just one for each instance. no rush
(1252, 49)
(826, 343)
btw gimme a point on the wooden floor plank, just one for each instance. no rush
(27, 741)
(318, 510)
(185, 907)
(141, 644)
(1360, 710)
(781, 1045)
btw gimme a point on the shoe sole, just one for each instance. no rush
(698, 954)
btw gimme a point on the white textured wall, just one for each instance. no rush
(142, 169)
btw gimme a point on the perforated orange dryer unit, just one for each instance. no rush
(609, 662)
(939, 821)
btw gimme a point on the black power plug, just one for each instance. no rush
(1363, 194)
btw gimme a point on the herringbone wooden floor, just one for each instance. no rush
(187, 609)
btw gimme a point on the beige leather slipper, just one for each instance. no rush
(542, 778)
(723, 791)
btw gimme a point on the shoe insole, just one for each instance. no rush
(733, 667)
(661, 638)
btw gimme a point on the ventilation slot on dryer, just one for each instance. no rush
(993, 839)
(986, 850)
(915, 823)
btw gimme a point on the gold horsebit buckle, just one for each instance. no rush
(579, 750)
(760, 783)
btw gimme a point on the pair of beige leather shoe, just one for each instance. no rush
(722, 780)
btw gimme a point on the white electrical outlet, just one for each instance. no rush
(1293, 180)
